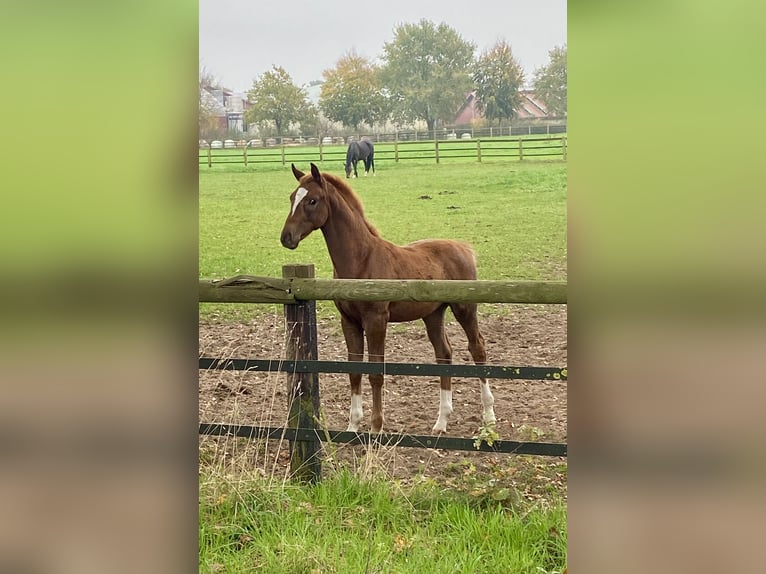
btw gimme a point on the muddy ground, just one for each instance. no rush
(517, 335)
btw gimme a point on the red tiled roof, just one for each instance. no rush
(531, 107)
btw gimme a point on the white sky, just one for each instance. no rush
(241, 39)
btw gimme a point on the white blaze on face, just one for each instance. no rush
(300, 193)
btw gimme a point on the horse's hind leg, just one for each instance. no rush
(443, 350)
(465, 313)
(375, 331)
(354, 336)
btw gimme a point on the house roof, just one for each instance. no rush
(531, 107)
(224, 100)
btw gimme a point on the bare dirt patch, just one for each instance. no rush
(532, 335)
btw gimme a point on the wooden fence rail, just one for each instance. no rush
(298, 290)
(384, 439)
(253, 289)
(521, 148)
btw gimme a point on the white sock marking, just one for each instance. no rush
(445, 410)
(356, 413)
(299, 195)
(487, 402)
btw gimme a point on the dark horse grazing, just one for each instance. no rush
(357, 150)
(326, 202)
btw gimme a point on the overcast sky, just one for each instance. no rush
(241, 39)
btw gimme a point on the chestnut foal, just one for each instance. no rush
(324, 201)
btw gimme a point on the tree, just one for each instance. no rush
(352, 92)
(427, 71)
(497, 78)
(274, 98)
(209, 110)
(308, 118)
(550, 82)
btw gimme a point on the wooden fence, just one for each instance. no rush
(298, 290)
(520, 148)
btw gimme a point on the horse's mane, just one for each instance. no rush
(351, 199)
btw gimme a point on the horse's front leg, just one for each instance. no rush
(443, 350)
(354, 336)
(375, 330)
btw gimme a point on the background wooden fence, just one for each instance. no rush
(520, 148)
(298, 290)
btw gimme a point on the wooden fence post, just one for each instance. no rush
(436, 149)
(321, 154)
(396, 148)
(302, 388)
(478, 150)
(521, 149)
(209, 157)
(283, 154)
(245, 154)
(564, 148)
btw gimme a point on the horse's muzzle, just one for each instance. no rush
(288, 240)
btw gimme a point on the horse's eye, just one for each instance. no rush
(312, 201)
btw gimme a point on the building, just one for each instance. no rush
(532, 108)
(227, 106)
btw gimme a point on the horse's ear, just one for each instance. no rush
(315, 173)
(297, 173)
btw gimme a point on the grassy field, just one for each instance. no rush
(513, 213)
(350, 524)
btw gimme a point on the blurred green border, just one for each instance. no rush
(666, 131)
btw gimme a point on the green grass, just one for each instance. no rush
(349, 524)
(513, 213)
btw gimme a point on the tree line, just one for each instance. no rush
(425, 74)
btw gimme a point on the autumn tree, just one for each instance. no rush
(427, 71)
(497, 77)
(352, 92)
(550, 83)
(274, 98)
